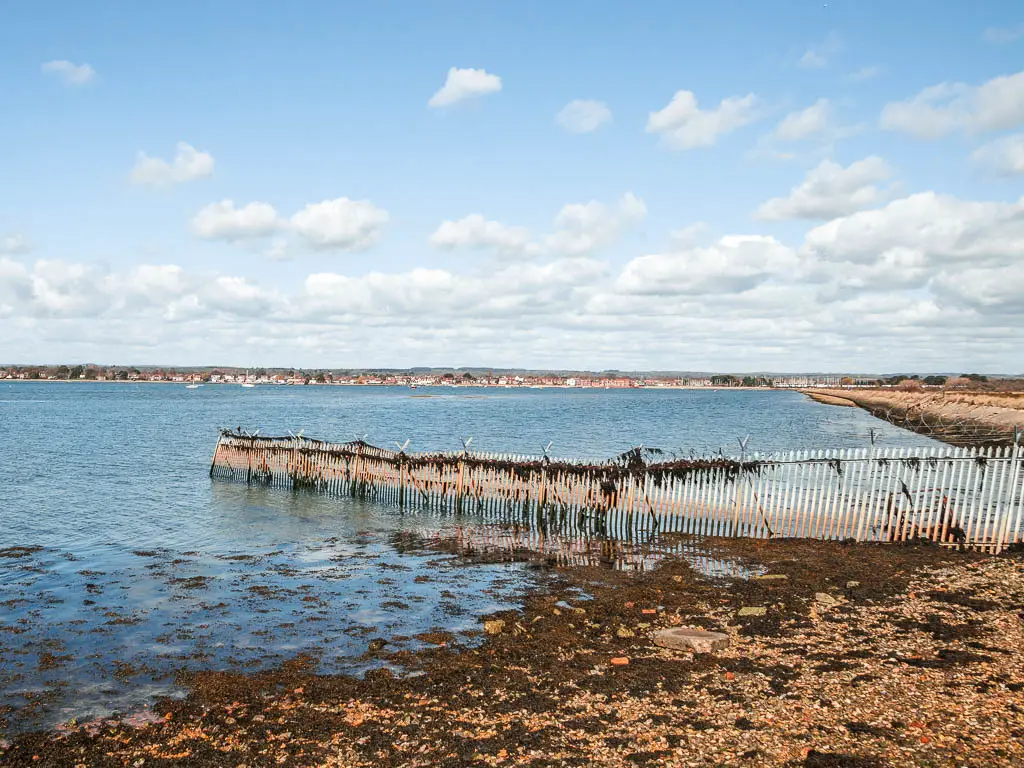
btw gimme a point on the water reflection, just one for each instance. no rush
(86, 637)
(512, 543)
(80, 641)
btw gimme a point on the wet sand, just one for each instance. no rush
(865, 656)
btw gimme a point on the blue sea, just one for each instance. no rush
(121, 562)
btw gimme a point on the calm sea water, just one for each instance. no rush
(121, 562)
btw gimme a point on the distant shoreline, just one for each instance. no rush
(406, 386)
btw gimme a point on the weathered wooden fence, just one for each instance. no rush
(967, 496)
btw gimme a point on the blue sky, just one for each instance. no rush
(295, 106)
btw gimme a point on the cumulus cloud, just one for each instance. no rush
(583, 227)
(474, 231)
(342, 224)
(819, 56)
(1000, 288)
(580, 228)
(14, 244)
(734, 264)
(279, 250)
(939, 110)
(683, 125)
(72, 74)
(1003, 157)
(223, 221)
(461, 84)
(946, 229)
(583, 116)
(830, 190)
(919, 282)
(442, 295)
(813, 121)
(188, 164)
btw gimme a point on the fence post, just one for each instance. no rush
(1006, 505)
(739, 486)
(216, 450)
(542, 496)
(402, 472)
(461, 473)
(295, 462)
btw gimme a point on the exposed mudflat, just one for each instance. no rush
(865, 656)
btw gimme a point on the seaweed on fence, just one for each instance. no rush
(609, 474)
(645, 483)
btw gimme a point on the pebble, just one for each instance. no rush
(494, 627)
(689, 639)
(752, 611)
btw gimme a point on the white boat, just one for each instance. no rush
(193, 386)
(248, 384)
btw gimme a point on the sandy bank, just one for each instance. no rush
(830, 399)
(955, 417)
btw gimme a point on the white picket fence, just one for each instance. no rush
(970, 496)
(955, 496)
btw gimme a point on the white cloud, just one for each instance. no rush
(1000, 288)
(442, 295)
(580, 228)
(945, 229)
(14, 244)
(688, 236)
(464, 84)
(1003, 35)
(72, 74)
(188, 164)
(583, 116)
(734, 264)
(939, 110)
(926, 281)
(830, 190)
(279, 250)
(584, 227)
(815, 120)
(1003, 157)
(226, 222)
(865, 73)
(64, 289)
(474, 231)
(236, 296)
(820, 55)
(15, 287)
(343, 224)
(683, 125)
